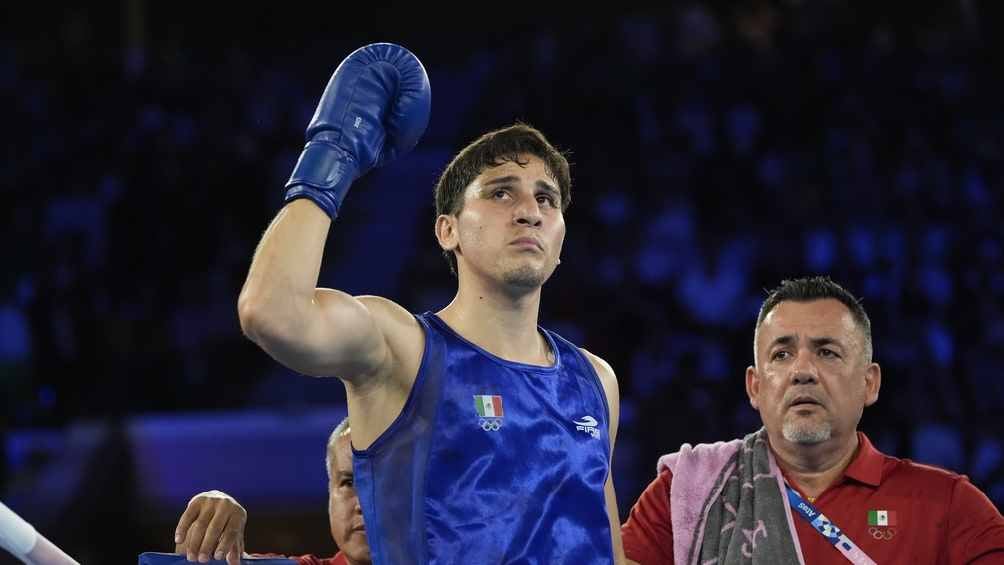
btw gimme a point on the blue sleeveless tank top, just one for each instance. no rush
(490, 461)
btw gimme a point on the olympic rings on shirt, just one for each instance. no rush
(882, 533)
(490, 425)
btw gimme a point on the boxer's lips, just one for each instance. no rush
(527, 243)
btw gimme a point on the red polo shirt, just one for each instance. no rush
(338, 559)
(935, 516)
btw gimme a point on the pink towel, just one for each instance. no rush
(700, 474)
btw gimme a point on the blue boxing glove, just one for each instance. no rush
(376, 107)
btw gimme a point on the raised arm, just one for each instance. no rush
(375, 107)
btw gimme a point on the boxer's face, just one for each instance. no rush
(511, 227)
(344, 512)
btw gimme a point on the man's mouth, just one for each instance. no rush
(804, 401)
(527, 242)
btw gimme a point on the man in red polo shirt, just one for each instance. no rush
(212, 525)
(808, 471)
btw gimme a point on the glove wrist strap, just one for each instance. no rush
(323, 173)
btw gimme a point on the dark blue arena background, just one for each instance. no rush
(716, 147)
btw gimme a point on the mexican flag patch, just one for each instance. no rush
(488, 405)
(881, 517)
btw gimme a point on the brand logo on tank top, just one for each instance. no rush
(490, 411)
(588, 425)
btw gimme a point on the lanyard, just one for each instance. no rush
(827, 529)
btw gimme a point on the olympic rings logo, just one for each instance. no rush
(882, 533)
(490, 424)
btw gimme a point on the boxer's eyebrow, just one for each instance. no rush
(508, 179)
(513, 179)
(549, 188)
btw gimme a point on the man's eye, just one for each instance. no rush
(499, 194)
(543, 199)
(827, 353)
(779, 355)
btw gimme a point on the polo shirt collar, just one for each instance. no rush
(866, 467)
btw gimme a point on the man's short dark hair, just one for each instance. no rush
(492, 150)
(807, 289)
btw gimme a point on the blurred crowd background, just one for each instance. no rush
(717, 148)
